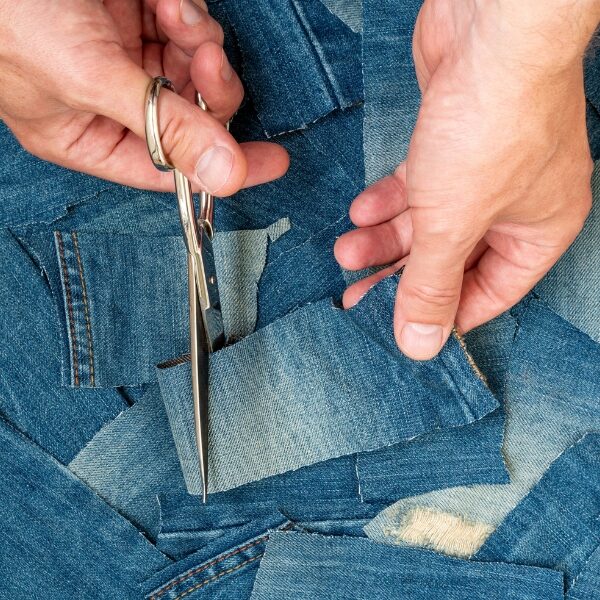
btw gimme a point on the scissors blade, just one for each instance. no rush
(199, 351)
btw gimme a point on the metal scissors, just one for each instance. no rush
(206, 323)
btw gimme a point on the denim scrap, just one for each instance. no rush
(571, 287)
(556, 525)
(302, 566)
(587, 583)
(123, 299)
(59, 539)
(392, 95)
(551, 400)
(349, 11)
(223, 570)
(186, 525)
(299, 61)
(60, 420)
(332, 400)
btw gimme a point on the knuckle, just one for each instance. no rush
(175, 137)
(430, 295)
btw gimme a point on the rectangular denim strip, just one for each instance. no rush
(223, 570)
(60, 420)
(556, 525)
(313, 65)
(571, 287)
(466, 455)
(126, 301)
(59, 539)
(392, 95)
(308, 388)
(186, 525)
(300, 566)
(133, 460)
(551, 400)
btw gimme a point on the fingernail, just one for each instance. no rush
(421, 341)
(191, 13)
(214, 168)
(226, 70)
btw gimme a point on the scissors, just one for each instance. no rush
(206, 322)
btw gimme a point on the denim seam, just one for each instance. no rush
(70, 311)
(218, 576)
(86, 310)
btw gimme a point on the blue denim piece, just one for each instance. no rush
(299, 61)
(33, 190)
(59, 540)
(60, 420)
(187, 525)
(349, 11)
(392, 95)
(123, 299)
(299, 566)
(312, 380)
(556, 525)
(223, 570)
(587, 583)
(551, 400)
(571, 287)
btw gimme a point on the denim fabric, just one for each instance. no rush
(392, 95)
(571, 287)
(187, 525)
(556, 525)
(591, 66)
(60, 420)
(123, 299)
(308, 388)
(299, 61)
(587, 583)
(223, 570)
(349, 11)
(59, 540)
(303, 566)
(551, 400)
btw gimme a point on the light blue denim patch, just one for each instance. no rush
(571, 287)
(309, 387)
(392, 95)
(551, 400)
(186, 525)
(349, 11)
(556, 525)
(59, 539)
(299, 61)
(60, 420)
(308, 566)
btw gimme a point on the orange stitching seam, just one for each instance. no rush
(86, 311)
(71, 318)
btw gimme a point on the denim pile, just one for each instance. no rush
(338, 468)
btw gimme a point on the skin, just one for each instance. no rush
(74, 74)
(495, 187)
(496, 184)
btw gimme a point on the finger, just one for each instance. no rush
(495, 284)
(375, 246)
(216, 81)
(429, 290)
(382, 201)
(356, 292)
(193, 141)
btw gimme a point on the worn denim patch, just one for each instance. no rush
(551, 400)
(303, 566)
(349, 11)
(308, 388)
(59, 539)
(556, 525)
(587, 583)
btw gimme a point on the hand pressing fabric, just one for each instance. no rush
(73, 77)
(496, 184)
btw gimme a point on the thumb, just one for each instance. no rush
(429, 291)
(193, 141)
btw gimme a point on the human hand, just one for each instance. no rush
(73, 78)
(496, 184)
